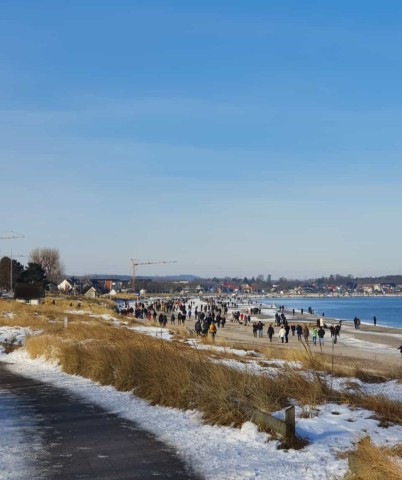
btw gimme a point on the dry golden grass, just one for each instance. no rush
(386, 411)
(174, 374)
(45, 315)
(169, 374)
(334, 365)
(369, 462)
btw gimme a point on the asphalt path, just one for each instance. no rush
(82, 441)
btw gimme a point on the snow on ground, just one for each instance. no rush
(218, 453)
(78, 312)
(391, 389)
(103, 316)
(396, 336)
(20, 439)
(234, 351)
(162, 333)
(224, 453)
(249, 367)
(16, 335)
(351, 341)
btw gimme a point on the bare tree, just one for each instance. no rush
(49, 260)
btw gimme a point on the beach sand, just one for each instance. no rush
(370, 347)
(374, 347)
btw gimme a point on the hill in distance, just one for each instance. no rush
(171, 278)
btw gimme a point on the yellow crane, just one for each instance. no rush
(135, 263)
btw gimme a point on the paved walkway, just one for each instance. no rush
(84, 441)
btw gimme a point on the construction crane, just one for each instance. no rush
(12, 236)
(136, 263)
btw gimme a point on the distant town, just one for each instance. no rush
(44, 274)
(189, 285)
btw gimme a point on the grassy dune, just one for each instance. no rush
(369, 462)
(176, 375)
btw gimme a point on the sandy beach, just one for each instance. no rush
(371, 344)
(376, 347)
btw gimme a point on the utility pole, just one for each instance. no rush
(135, 264)
(11, 236)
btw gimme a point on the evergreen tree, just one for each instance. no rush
(6, 273)
(33, 274)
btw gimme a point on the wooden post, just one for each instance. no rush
(290, 423)
(286, 427)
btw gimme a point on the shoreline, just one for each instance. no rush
(365, 322)
(371, 344)
(373, 347)
(312, 318)
(315, 295)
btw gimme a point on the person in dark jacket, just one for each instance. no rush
(270, 332)
(197, 327)
(287, 330)
(255, 328)
(321, 333)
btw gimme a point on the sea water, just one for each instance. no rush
(387, 310)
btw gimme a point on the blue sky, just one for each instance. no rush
(238, 138)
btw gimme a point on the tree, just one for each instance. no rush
(49, 260)
(5, 272)
(33, 274)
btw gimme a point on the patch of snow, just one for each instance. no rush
(16, 335)
(20, 440)
(217, 348)
(155, 332)
(225, 453)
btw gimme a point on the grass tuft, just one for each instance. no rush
(369, 462)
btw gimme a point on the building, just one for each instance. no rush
(27, 293)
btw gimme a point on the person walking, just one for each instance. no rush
(299, 331)
(212, 330)
(314, 332)
(321, 333)
(270, 332)
(287, 330)
(197, 327)
(255, 328)
(306, 333)
(282, 333)
(375, 320)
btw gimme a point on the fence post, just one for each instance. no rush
(290, 423)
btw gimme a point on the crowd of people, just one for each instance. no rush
(211, 314)
(302, 331)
